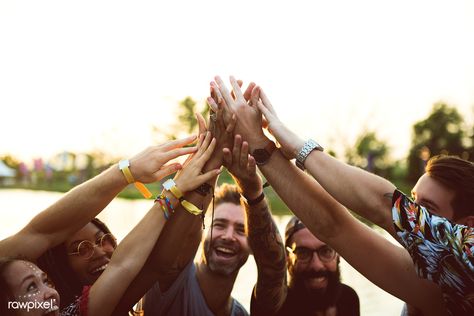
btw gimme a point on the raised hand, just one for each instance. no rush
(150, 164)
(249, 117)
(190, 177)
(290, 142)
(243, 168)
(221, 127)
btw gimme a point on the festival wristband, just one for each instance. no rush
(170, 185)
(159, 199)
(124, 167)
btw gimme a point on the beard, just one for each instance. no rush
(217, 266)
(315, 298)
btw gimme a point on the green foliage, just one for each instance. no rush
(442, 132)
(371, 154)
(187, 118)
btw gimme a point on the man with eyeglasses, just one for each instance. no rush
(314, 286)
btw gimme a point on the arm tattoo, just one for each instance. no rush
(269, 254)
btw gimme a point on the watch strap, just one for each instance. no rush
(256, 200)
(269, 149)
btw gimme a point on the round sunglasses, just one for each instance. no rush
(86, 249)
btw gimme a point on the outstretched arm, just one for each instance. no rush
(263, 236)
(182, 234)
(385, 264)
(362, 192)
(330, 222)
(77, 207)
(131, 254)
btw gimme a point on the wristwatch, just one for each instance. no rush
(308, 147)
(262, 155)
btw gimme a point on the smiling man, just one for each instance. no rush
(314, 286)
(241, 221)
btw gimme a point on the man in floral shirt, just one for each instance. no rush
(442, 250)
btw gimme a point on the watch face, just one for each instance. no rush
(261, 156)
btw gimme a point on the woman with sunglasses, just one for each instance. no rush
(22, 282)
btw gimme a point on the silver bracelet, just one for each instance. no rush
(308, 147)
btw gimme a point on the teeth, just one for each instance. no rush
(101, 268)
(226, 250)
(52, 309)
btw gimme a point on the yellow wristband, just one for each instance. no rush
(124, 167)
(170, 185)
(191, 208)
(176, 192)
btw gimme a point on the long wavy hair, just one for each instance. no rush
(55, 263)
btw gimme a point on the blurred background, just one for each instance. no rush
(381, 85)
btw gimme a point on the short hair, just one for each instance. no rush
(458, 175)
(227, 193)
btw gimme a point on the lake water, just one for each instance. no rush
(17, 207)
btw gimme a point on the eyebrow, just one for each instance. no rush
(222, 220)
(32, 276)
(429, 202)
(76, 242)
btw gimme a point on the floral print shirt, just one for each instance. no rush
(442, 251)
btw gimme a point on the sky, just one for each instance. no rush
(97, 75)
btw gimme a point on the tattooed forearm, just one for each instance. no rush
(269, 254)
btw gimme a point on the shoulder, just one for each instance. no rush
(238, 309)
(348, 302)
(79, 306)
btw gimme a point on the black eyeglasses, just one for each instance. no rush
(305, 255)
(86, 249)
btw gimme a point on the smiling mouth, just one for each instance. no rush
(100, 269)
(52, 310)
(225, 252)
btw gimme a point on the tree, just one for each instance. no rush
(186, 120)
(443, 132)
(370, 153)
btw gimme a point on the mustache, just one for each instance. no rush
(314, 274)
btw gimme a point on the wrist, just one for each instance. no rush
(251, 201)
(251, 191)
(257, 142)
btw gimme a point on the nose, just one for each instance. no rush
(228, 234)
(51, 294)
(100, 251)
(316, 263)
